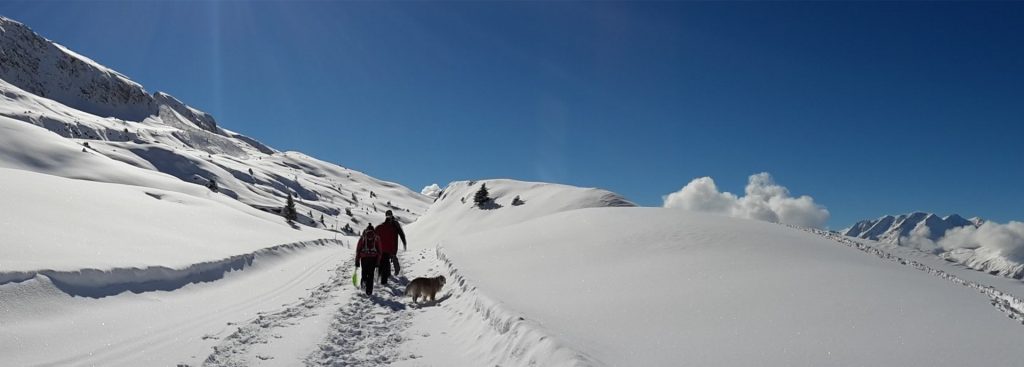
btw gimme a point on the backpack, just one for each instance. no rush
(370, 247)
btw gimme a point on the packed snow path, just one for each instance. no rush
(366, 331)
(335, 325)
(338, 325)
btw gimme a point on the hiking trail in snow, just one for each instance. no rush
(335, 325)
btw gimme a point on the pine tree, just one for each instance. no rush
(516, 201)
(212, 185)
(289, 209)
(482, 196)
(348, 211)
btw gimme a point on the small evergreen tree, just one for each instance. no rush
(348, 211)
(212, 185)
(289, 209)
(516, 201)
(482, 196)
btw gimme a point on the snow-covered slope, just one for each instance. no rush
(645, 286)
(46, 69)
(135, 188)
(455, 213)
(60, 224)
(49, 86)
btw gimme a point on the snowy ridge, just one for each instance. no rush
(518, 341)
(454, 213)
(96, 283)
(46, 69)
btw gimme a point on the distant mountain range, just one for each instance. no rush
(890, 229)
(908, 230)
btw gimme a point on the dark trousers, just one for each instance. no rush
(369, 265)
(384, 267)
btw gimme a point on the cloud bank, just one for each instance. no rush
(1007, 239)
(432, 190)
(763, 200)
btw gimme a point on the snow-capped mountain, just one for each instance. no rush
(926, 231)
(890, 229)
(109, 115)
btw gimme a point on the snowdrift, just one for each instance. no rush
(59, 224)
(645, 286)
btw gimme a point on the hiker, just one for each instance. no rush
(389, 231)
(368, 255)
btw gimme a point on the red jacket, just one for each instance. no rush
(390, 231)
(370, 252)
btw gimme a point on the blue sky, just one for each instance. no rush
(871, 108)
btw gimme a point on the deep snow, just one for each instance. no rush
(647, 286)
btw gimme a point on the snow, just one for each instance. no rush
(454, 212)
(114, 252)
(647, 286)
(44, 326)
(63, 224)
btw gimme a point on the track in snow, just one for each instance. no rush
(367, 331)
(235, 349)
(364, 331)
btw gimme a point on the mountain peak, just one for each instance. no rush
(889, 228)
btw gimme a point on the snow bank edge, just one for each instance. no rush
(519, 341)
(96, 283)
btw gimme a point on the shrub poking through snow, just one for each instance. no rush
(289, 209)
(482, 196)
(516, 201)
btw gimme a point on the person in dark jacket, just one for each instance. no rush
(368, 255)
(389, 231)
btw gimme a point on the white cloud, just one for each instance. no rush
(763, 200)
(1007, 239)
(432, 190)
(920, 238)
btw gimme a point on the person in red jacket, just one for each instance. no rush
(389, 231)
(368, 254)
